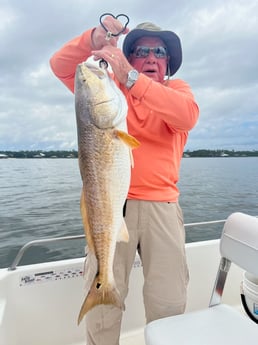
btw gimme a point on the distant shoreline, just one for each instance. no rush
(74, 154)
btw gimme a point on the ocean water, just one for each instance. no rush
(40, 198)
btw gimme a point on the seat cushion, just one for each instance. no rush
(220, 324)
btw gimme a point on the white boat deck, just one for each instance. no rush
(39, 304)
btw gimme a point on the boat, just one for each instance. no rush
(39, 303)
(3, 156)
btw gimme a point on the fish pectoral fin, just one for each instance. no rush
(100, 294)
(123, 235)
(127, 138)
(85, 223)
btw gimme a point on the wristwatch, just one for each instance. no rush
(132, 77)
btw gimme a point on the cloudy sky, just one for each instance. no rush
(220, 48)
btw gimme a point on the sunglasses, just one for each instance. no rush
(143, 52)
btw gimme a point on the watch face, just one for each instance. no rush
(132, 77)
(133, 74)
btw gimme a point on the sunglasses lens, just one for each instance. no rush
(160, 52)
(142, 52)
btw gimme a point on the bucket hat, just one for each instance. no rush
(170, 39)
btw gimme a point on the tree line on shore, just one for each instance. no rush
(74, 153)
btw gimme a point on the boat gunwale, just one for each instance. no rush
(30, 244)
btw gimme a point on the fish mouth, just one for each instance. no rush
(105, 101)
(99, 72)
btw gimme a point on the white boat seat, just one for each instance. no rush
(219, 323)
(216, 325)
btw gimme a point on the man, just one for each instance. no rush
(161, 111)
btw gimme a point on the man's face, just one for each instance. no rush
(152, 63)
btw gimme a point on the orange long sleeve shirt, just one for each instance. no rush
(159, 116)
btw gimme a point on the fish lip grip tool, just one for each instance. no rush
(114, 34)
(103, 63)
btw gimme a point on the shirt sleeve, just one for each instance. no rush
(65, 60)
(173, 101)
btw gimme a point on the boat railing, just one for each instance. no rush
(30, 244)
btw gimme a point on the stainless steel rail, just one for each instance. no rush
(23, 249)
(205, 223)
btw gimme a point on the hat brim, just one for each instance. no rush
(170, 39)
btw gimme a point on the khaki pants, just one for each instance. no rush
(156, 230)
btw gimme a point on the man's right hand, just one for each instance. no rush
(99, 34)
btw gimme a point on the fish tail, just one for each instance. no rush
(99, 294)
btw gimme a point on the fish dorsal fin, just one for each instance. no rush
(127, 139)
(123, 235)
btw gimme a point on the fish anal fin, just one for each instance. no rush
(99, 294)
(90, 271)
(127, 139)
(123, 235)
(85, 223)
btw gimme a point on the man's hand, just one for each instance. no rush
(116, 59)
(99, 35)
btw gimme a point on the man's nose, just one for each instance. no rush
(151, 56)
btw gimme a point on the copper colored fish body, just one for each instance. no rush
(105, 163)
